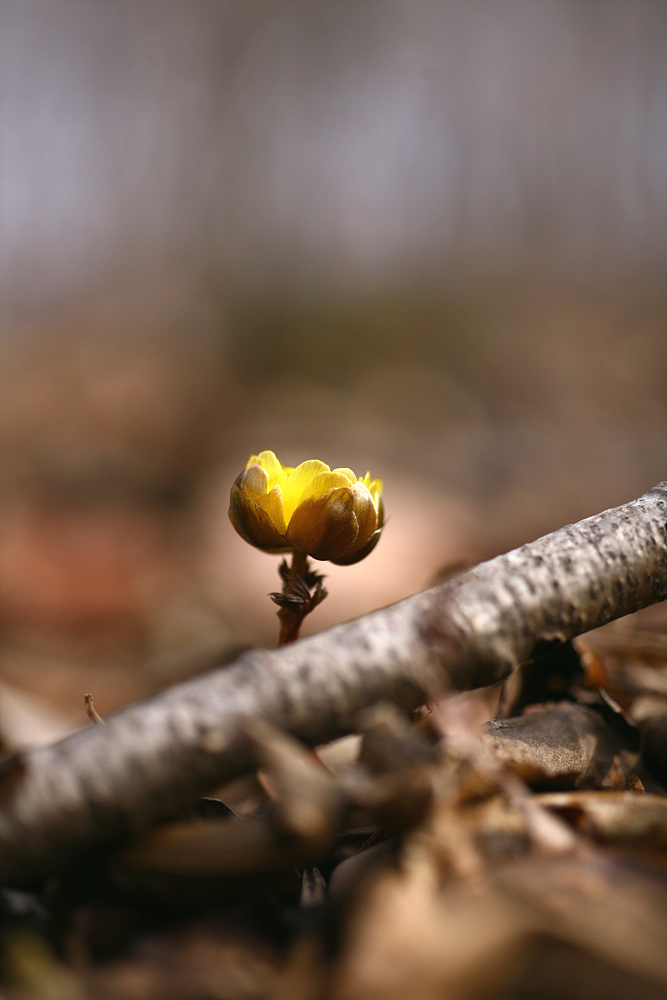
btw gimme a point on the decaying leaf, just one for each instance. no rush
(623, 818)
(565, 745)
(456, 858)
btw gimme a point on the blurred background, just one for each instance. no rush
(428, 239)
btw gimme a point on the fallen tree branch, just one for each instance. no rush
(106, 783)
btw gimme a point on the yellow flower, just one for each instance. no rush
(325, 513)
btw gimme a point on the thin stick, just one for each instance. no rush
(106, 783)
(91, 711)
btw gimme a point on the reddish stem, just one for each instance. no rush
(291, 616)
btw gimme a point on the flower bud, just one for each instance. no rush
(325, 513)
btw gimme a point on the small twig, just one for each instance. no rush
(91, 712)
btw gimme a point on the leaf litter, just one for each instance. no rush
(497, 845)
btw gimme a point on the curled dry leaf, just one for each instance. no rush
(565, 745)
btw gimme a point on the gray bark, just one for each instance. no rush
(107, 783)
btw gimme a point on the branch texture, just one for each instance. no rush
(107, 783)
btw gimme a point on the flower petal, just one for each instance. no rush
(254, 480)
(274, 469)
(272, 503)
(254, 523)
(325, 527)
(374, 486)
(253, 483)
(357, 554)
(297, 484)
(351, 476)
(325, 481)
(366, 512)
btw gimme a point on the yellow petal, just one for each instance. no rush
(365, 511)
(274, 469)
(296, 485)
(356, 554)
(374, 486)
(272, 503)
(255, 513)
(254, 481)
(351, 476)
(325, 481)
(254, 523)
(325, 527)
